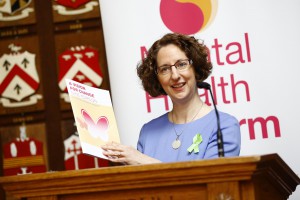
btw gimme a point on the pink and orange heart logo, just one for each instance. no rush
(188, 16)
(96, 130)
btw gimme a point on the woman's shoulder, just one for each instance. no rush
(158, 120)
(211, 115)
(227, 117)
(153, 125)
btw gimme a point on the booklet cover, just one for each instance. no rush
(94, 116)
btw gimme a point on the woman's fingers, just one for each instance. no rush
(112, 147)
(113, 151)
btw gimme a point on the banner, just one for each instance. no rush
(254, 49)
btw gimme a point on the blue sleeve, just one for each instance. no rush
(140, 143)
(230, 129)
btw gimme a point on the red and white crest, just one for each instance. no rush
(23, 155)
(75, 159)
(12, 6)
(80, 64)
(72, 3)
(74, 7)
(18, 75)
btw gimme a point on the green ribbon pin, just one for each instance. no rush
(195, 146)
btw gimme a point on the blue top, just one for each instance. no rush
(156, 138)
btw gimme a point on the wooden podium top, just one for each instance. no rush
(261, 169)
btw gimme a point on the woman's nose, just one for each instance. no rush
(174, 72)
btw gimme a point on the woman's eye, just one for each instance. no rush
(164, 69)
(182, 64)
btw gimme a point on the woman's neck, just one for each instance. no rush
(187, 112)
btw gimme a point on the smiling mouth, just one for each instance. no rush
(178, 85)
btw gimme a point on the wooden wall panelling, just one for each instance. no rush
(40, 32)
(78, 30)
(17, 15)
(47, 33)
(88, 38)
(22, 99)
(79, 36)
(16, 24)
(52, 111)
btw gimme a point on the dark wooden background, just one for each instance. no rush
(48, 34)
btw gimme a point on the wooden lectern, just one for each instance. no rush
(247, 178)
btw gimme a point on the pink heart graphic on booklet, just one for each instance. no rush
(98, 129)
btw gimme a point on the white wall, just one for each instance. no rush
(268, 34)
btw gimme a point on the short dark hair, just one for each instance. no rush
(194, 50)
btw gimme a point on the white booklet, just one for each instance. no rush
(94, 116)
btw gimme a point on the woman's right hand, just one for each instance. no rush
(119, 153)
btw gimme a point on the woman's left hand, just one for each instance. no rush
(119, 153)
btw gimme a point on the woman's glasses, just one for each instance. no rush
(180, 65)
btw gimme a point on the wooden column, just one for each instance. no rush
(52, 114)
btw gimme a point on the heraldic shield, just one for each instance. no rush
(71, 7)
(72, 3)
(23, 155)
(18, 78)
(80, 64)
(12, 6)
(75, 159)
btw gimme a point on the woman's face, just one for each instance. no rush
(179, 85)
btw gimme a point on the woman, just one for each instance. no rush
(173, 66)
